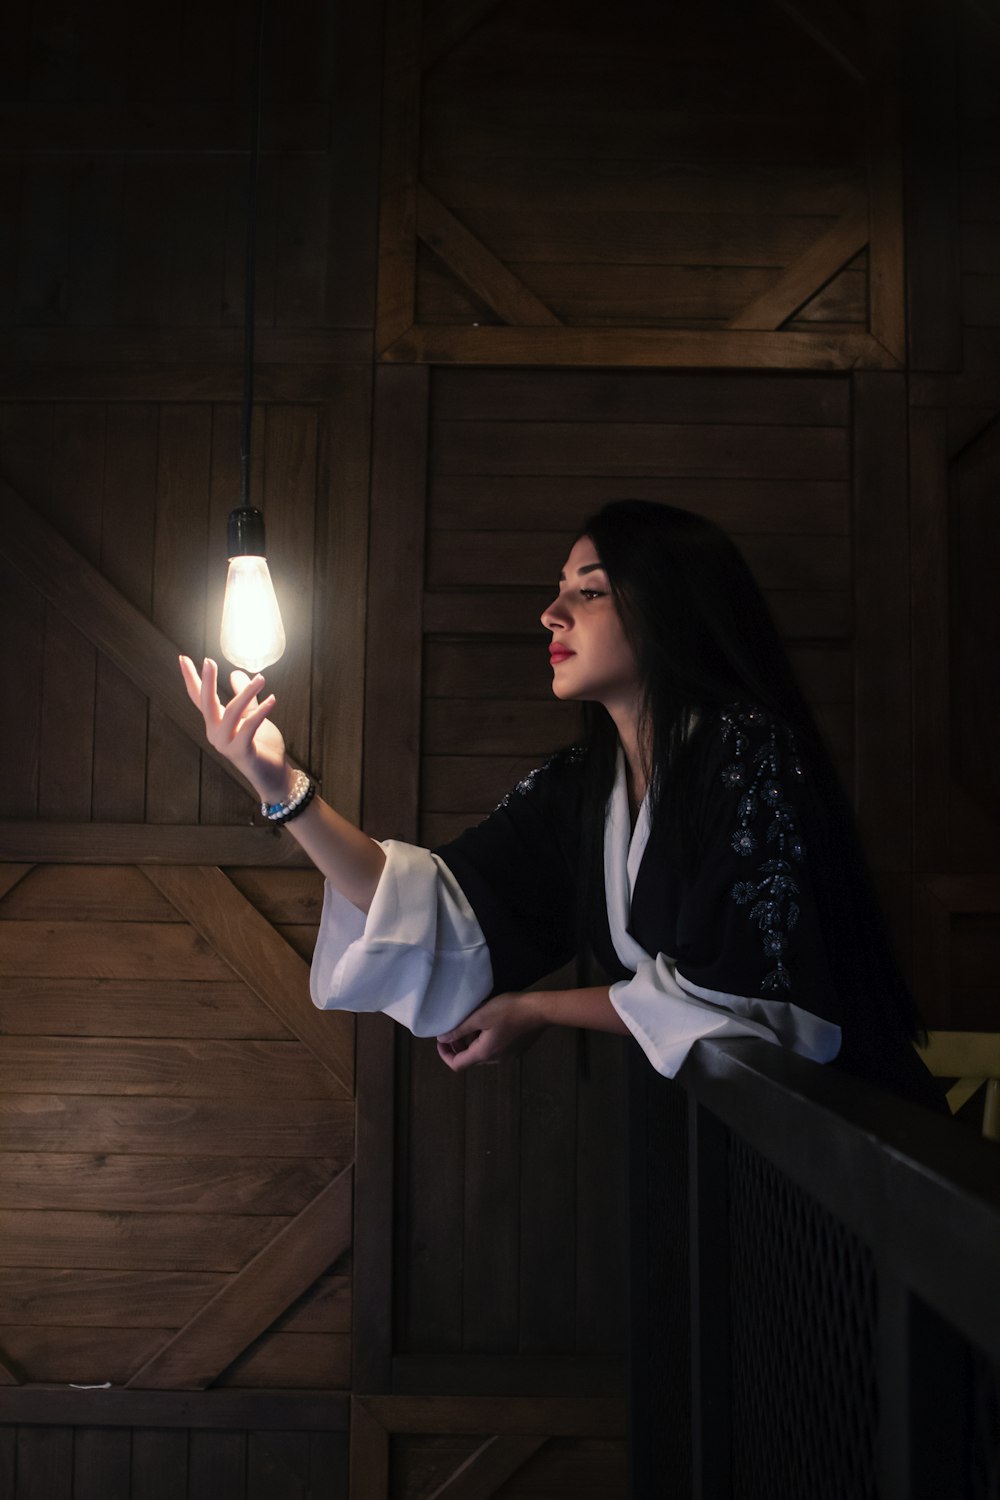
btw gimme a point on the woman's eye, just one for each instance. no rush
(591, 593)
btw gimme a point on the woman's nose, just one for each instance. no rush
(553, 617)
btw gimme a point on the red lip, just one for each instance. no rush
(559, 653)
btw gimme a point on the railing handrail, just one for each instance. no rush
(921, 1191)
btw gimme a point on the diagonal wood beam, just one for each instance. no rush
(835, 31)
(10, 876)
(252, 1299)
(95, 607)
(447, 25)
(146, 843)
(477, 266)
(807, 275)
(272, 969)
(484, 1471)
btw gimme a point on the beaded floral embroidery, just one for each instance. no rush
(570, 756)
(757, 776)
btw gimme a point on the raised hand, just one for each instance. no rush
(241, 730)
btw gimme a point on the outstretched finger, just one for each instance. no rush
(256, 717)
(209, 703)
(192, 681)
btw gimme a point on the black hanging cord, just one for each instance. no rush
(249, 304)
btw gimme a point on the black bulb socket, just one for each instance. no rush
(245, 532)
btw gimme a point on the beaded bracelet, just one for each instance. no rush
(302, 793)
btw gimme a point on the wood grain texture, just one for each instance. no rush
(280, 1272)
(163, 1067)
(392, 702)
(640, 347)
(398, 195)
(247, 942)
(157, 1184)
(374, 1178)
(183, 1127)
(882, 636)
(806, 275)
(476, 265)
(369, 1474)
(489, 1467)
(147, 843)
(79, 592)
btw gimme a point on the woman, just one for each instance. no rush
(697, 845)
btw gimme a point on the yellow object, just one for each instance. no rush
(972, 1058)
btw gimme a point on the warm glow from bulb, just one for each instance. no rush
(252, 633)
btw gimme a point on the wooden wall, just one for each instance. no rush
(514, 260)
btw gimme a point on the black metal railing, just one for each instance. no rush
(816, 1288)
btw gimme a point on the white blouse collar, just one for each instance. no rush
(623, 851)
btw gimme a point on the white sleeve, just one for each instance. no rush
(419, 955)
(667, 1014)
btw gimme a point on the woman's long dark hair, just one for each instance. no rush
(704, 639)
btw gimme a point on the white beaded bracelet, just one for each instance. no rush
(302, 793)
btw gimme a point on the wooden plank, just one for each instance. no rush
(428, 1241)
(76, 1298)
(102, 1463)
(453, 783)
(799, 614)
(279, 1273)
(217, 1466)
(108, 950)
(341, 546)
(159, 1464)
(186, 1069)
(183, 1127)
(79, 894)
(585, 395)
(126, 561)
(491, 728)
(931, 109)
(490, 1283)
(150, 382)
(625, 448)
(369, 1447)
(392, 701)
(477, 266)
(164, 1242)
(156, 1184)
(398, 192)
(153, 1411)
(490, 1466)
(888, 239)
(547, 1270)
(374, 1170)
(806, 275)
(146, 843)
(883, 746)
(22, 620)
(45, 1463)
(205, 349)
(443, 30)
(550, 502)
(535, 232)
(289, 896)
(662, 347)
(464, 559)
(571, 1416)
(277, 1465)
(248, 943)
(763, 192)
(98, 610)
(654, 296)
(835, 30)
(933, 791)
(291, 1361)
(353, 101)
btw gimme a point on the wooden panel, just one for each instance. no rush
(255, 952)
(392, 706)
(196, 1242)
(156, 1184)
(281, 1271)
(182, 1127)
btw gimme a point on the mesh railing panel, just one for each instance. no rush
(984, 1429)
(803, 1310)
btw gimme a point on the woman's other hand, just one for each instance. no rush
(241, 730)
(497, 1029)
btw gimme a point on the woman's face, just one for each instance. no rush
(591, 658)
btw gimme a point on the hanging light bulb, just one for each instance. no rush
(252, 633)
